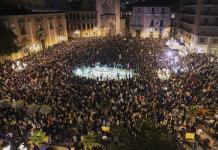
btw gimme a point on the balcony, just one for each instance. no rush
(208, 33)
(188, 9)
(188, 12)
(205, 13)
(209, 24)
(189, 15)
(185, 28)
(186, 20)
(210, 2)
(137, 25)
(189, 2)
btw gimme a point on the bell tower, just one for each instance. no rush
(108, 14)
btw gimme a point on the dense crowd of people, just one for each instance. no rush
(76, 103)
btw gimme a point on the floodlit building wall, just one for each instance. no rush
(151, 22)
(37, 31)
(198, 25)
(108, 16)
(82, 24)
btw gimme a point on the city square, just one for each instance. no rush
(76, 79)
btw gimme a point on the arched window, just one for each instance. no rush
(88, 25)
(78, 17)
(84, 26)
(83, 17)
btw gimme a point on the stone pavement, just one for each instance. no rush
(204, 135)
(188, 147)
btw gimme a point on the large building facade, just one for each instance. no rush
(108, 14)
(198, 25)
(151, 21)
(82, 24)
(37, 31)
(102, 20)
(126, 15)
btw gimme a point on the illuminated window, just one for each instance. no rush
(84, 26)
(83, 17)
(51, 24)
(202, 40)
(216, 21)
(162, 10)
(88, 25)
(205, 21)
(153, 9)
(40, 27)
(22, 26)
(78, 17)
(173, 16)
(79, 27)
(138, 10)
(74, 16)
(215, 41)
(152, 23)
(88, 16)
(161, 23)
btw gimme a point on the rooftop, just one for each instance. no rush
(19, 12)
(154, 3)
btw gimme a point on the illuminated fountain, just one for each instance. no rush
(103, 73)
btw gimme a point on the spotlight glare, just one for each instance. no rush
(169, 54)
(22, 147)
(103, 73)
(7, 147)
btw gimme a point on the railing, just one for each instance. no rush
(185, 28)
(210, 2)
(190, 21)
(206, 33)
(189, 2)
(210, 13)
(209, 24)
(191, 12)
(136, 25)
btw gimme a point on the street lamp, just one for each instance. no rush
(173, 16)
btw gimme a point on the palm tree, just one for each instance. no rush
(44, 109)
(18, 104)
(90, 141)
(5, 103)
(33, 108)
(192, 113)
(8, 40)
(38, 137)
(147, 136)
(122, 139)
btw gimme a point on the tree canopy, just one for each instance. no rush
(147, 137)
(8, 40)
